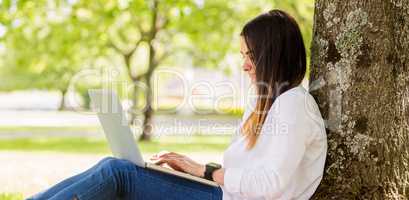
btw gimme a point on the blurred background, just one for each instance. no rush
(175, 64)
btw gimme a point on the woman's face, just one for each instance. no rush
(248, 65)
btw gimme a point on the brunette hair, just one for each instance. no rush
(277, 51)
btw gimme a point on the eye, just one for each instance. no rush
(245, 54)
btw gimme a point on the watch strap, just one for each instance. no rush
(210, 168)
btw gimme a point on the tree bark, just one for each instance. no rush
(148, 115)
(134, 103)
(360, 79)
(134, 95)
(148, 112)
(62, 102)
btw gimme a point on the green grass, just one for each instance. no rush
(47, 129)
(7, 196)
(86, 145)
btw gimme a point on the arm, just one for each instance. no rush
(268, 182)
(218, 176)
(279, 151)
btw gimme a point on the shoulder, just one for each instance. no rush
(291, 103)
(295, 95)
(298, 107)
(288, 117)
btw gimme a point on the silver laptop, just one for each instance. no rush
(119, 134)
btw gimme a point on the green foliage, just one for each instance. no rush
(42, 51)
(47, 42)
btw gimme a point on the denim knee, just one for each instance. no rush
(106, 159)
(115, 164)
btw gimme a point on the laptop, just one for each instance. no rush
(119, 135)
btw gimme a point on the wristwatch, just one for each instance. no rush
(210, 168)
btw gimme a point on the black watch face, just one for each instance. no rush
(215, 165)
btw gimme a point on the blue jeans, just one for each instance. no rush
(114, 178)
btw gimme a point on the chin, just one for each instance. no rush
(253, 80)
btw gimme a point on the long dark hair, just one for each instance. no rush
(277, 51)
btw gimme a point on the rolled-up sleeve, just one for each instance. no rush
(280, 149)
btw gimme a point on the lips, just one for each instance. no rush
(247, 67)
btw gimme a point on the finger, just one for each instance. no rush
(162, 153)
(175, 154)
(171, 157)
(170, 154)
(174, 162)
(161, 161)
(167, 160)
(171, 163)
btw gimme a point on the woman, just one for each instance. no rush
(278, 153)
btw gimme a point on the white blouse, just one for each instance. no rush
(288, 159)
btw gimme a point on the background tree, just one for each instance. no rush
(360, 77)
(44, 48)
(48, 42)
(157, 27)
(165, 26)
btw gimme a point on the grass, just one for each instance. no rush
(8, 196)
(86, 145)
(182, 144)
(47, 129)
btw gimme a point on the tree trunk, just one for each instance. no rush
(148, 112)
(134, 103)
(360, 79)
(62, 102)
(134, 94)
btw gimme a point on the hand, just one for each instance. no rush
(179, 162)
